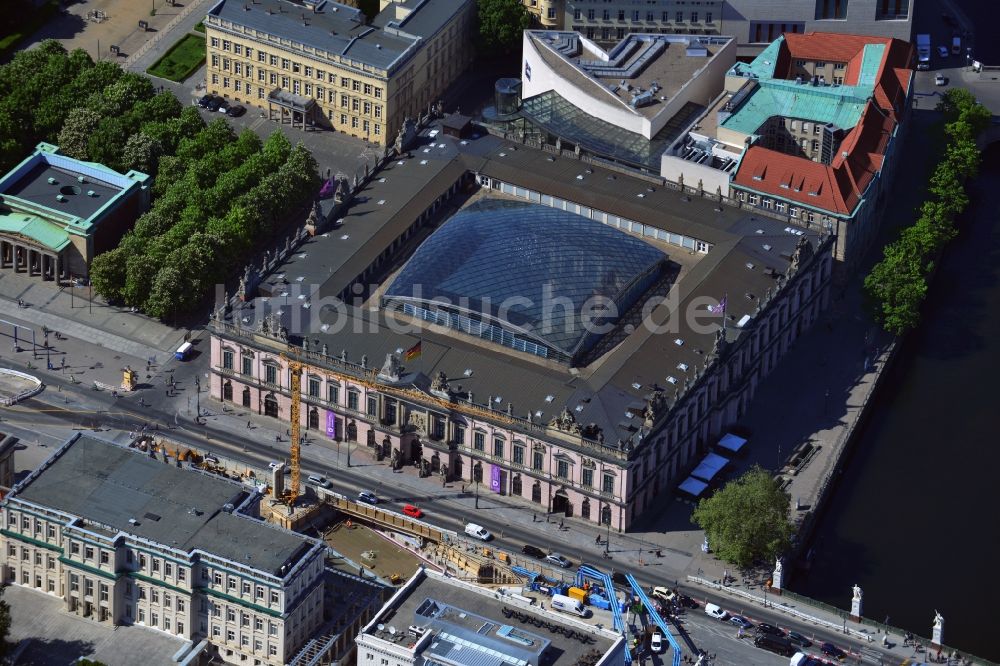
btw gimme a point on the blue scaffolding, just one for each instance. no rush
(655, 617)
(585, 572)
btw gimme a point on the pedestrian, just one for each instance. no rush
(248, 425)
(560, 523)
(597, 540)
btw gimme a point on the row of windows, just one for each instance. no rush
(780, 206)
(234, 584)
(245, 639)
(153, 594)
(636, 15)
(563, 466)
(244, 618)
(154, 620)
(294, 67)
(609, 219)
(820, 64)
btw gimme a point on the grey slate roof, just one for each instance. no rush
(108, 484)
(337, 29)
(617, 382)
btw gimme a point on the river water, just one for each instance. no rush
(913, 520)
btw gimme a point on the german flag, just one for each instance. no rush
(413, 352)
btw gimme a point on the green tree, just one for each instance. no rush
(4, 623)
(142, 153)
(107, 274)
(501, 25)
(747, 519)
(897, 286)
(75, 135)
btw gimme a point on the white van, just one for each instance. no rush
(712, 610)
(569, 605)
(478, 531)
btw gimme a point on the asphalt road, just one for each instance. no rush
(58, 411)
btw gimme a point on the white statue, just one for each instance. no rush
(778, 565)
(938, 620)
(937, 631)
(857, 593)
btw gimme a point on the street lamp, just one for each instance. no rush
(197, 392)
(607, 539)
(477, 491)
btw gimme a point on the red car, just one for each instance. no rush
(412, 511)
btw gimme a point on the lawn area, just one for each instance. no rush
(200, 27)
(181, 60)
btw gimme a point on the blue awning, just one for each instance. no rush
(709, 467)
(731, 442)
(693, 486)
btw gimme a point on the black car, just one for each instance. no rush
(533, 551)
(774, 644)
(770, 630)
(688, 602)
(236, 110)
(205, 99)
(798, 639)
(214, 103)
(618, 578)
(223, 106)
(832, 650)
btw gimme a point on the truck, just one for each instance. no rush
(923, 52)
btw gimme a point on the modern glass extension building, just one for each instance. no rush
(526, 276)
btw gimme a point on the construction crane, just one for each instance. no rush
(295, 386)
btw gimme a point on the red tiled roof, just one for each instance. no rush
(839, 186)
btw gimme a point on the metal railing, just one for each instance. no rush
(163, 32)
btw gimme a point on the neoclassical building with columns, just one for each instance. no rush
(467, 353)
(57, 213)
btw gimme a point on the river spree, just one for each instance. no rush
(914, 521)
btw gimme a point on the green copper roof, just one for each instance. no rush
(839, 105)
(38, 229)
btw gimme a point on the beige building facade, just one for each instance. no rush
(328, 67)
(256, 597)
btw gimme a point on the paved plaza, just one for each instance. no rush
(45, 634)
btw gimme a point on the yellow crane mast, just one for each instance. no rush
(295, 369)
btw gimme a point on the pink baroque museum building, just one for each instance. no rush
(456, 361)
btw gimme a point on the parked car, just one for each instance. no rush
(796, 638)
(618, 578)
(236, 110)
(558, 560)
(940, 80)
(213, 104)
(223, 106)
(412, 511)
(205, 99)
(688, 602)
(831, 650)
(656, 643)
(741, 621)
(765, 628)
(664, 594)
(367, 497)
(533, 551)
(273, 465)
(320, 481)
(943, 51)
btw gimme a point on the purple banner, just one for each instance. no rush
(495, 478)
(331, 425)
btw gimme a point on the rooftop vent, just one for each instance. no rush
(749, 265)
(91, 193)
(60, 197)
(52, 181)
(228, 508)
(133, 521)
(81, 179)
(152, 516)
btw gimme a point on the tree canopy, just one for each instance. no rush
(501, 25)
(897, 285)
(747, 519)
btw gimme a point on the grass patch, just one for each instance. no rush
(200, 27)
(20, 21)
(182, 60)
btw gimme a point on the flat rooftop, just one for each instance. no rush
(77, 200)
(107, 484)
(470, 628)
(337, 31)
(641, 72)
